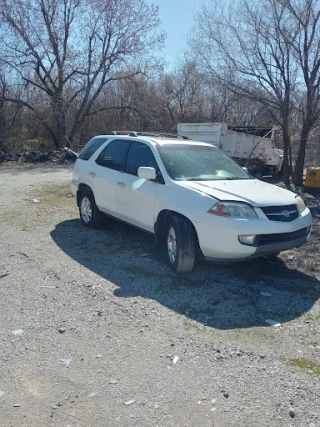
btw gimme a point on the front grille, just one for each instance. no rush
(285, 213)
(266, 239)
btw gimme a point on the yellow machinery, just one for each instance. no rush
(312, 179)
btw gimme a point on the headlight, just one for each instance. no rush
(234, 209)
(300, 204)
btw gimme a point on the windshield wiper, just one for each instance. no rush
(233, 178)
(229, 178)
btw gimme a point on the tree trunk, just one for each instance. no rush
(286, 165)
(61, 139)
(2, 122)
(297, 178)
(290, 158)
(2, 126)
(76, 128)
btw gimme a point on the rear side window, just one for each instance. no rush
(140, 155)
(113, 155)
(91, 147)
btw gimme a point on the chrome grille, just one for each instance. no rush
(285, 213)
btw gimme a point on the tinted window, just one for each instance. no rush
(113, 155)
(140, 155)
(91, 147)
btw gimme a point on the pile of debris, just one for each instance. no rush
(59, 156)
(313, 203)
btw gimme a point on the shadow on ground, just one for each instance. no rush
(240, 295)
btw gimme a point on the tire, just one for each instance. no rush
(90, 215)
(180, 244)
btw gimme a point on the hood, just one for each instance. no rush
(252, 191)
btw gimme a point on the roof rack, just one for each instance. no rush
(154, 134)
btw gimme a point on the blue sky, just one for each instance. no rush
(177, 19)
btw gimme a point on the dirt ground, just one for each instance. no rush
(96, 330)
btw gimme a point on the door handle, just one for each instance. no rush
(92, 174)
(121, 184)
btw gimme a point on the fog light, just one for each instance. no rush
(247, 239)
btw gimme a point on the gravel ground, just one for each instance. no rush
(97, 331)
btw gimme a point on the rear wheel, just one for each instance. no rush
(180, 244)
(89, 213)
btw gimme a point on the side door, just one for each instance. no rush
(109, 165)
(136, 197)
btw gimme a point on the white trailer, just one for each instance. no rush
(249, 145)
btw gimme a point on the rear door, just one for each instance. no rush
(107, 174)
(136, 196)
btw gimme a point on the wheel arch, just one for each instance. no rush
(83, 188)
(161, 224)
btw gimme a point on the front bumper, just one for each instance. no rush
(218, 237)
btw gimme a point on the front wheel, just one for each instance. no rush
(180, 243)
(89, 213)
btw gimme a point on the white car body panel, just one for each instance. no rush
(136, 201)
(104, 186)
(252, 191)
(179, 198)
(81, 175)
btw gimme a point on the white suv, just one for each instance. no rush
(190, 195)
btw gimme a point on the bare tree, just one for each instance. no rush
(250, 48)
(184, 93)
(305, 43)
(69, 50)
(9, 114)
(2, 112)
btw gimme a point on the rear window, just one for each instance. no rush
(113, 155)
(92, 147)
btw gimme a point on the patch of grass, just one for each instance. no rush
(309, 317)
(202, 315)
(8, 218)
(305, 366)
(54, 203)
(189, 324)
(58, 194)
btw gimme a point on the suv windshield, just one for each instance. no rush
(199, 163)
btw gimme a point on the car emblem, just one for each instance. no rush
(286, 214)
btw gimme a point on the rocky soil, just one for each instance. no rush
(51, 157)
(96, 330)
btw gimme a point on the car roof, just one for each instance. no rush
(158, 140)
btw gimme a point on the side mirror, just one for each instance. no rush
(245, 169)
(147, 173)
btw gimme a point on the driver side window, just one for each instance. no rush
(140, 155)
